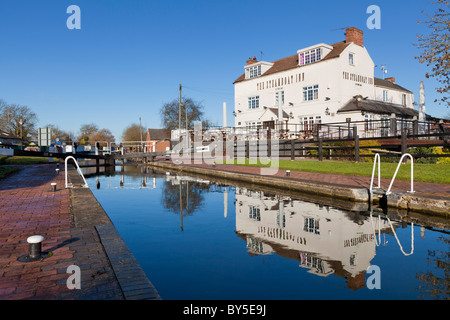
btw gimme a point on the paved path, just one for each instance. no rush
(29, 207)
(426, 188)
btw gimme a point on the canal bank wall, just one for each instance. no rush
(414, 202)
(88, 214)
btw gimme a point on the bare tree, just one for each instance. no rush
(60, 134)
(170, 114)
(435, 48)
(133, 133)
(103, 136)
(87, 130)
(18, 120)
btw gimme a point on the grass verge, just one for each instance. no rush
(22, 160)
(436, 173)
(5, 171)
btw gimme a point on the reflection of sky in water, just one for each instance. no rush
(235, 243)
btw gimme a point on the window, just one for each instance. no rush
(310, 56)
(318, 123)
(277, 97)
(404, 99)
(253, 102)
(253, 125)
(385, 95)
(351, 59)
(311, 93)
(254, 213)
(254, 71)
(311, 225)
(368, 122)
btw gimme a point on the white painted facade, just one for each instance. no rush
(330, 83)
(315, 235)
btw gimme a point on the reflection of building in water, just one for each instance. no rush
(324, 240)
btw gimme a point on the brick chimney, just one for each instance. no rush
(355, 35)
(251, 61)
(391, 79)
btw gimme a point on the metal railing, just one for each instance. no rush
(70, 185)
(412, 173)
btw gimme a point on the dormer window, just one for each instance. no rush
(254, 71)
(313, 54)
(310, 56)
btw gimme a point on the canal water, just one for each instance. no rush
(201, 239)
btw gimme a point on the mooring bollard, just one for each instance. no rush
(35, 250)
(288, 173)
(35, 246)
(57, 171)
(53, 184)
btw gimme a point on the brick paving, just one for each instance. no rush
(28, 207)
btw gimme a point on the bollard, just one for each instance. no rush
(53, 184)
(57, 171)
(35, 246)
(288, 173)
(35, 250)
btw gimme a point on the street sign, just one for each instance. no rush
(44, 137)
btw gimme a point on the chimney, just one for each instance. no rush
(355, 35)
(251, 61)
(391, 79)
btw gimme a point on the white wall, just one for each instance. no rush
(337, 79)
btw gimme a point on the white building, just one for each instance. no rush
(323, 239)
(319, 84)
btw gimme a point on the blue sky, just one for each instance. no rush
(130, 56)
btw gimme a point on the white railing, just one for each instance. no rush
(69, 185)
(412, 173)
(375, 161)
(378, 242)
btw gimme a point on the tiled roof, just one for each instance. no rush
(159, 134)
(379, 107)
(389, 84)
(6, 135)
(291, 62)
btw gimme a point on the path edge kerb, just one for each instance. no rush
(133, 281)
(436, 206)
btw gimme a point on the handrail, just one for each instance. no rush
(398, 241)
(79, 170)
(395, 174)
(377, 156)
(378, 242)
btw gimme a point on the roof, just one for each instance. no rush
(159, 134)
(275, 111)
(379, 107)
(291, 62)
(389, 84)
(6, 135)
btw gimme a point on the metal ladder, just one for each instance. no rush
(376, 161)
(70, 185)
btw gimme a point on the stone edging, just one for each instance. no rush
(132, 280)
(407, 201)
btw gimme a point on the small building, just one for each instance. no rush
(157, 140)
(9, 140)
